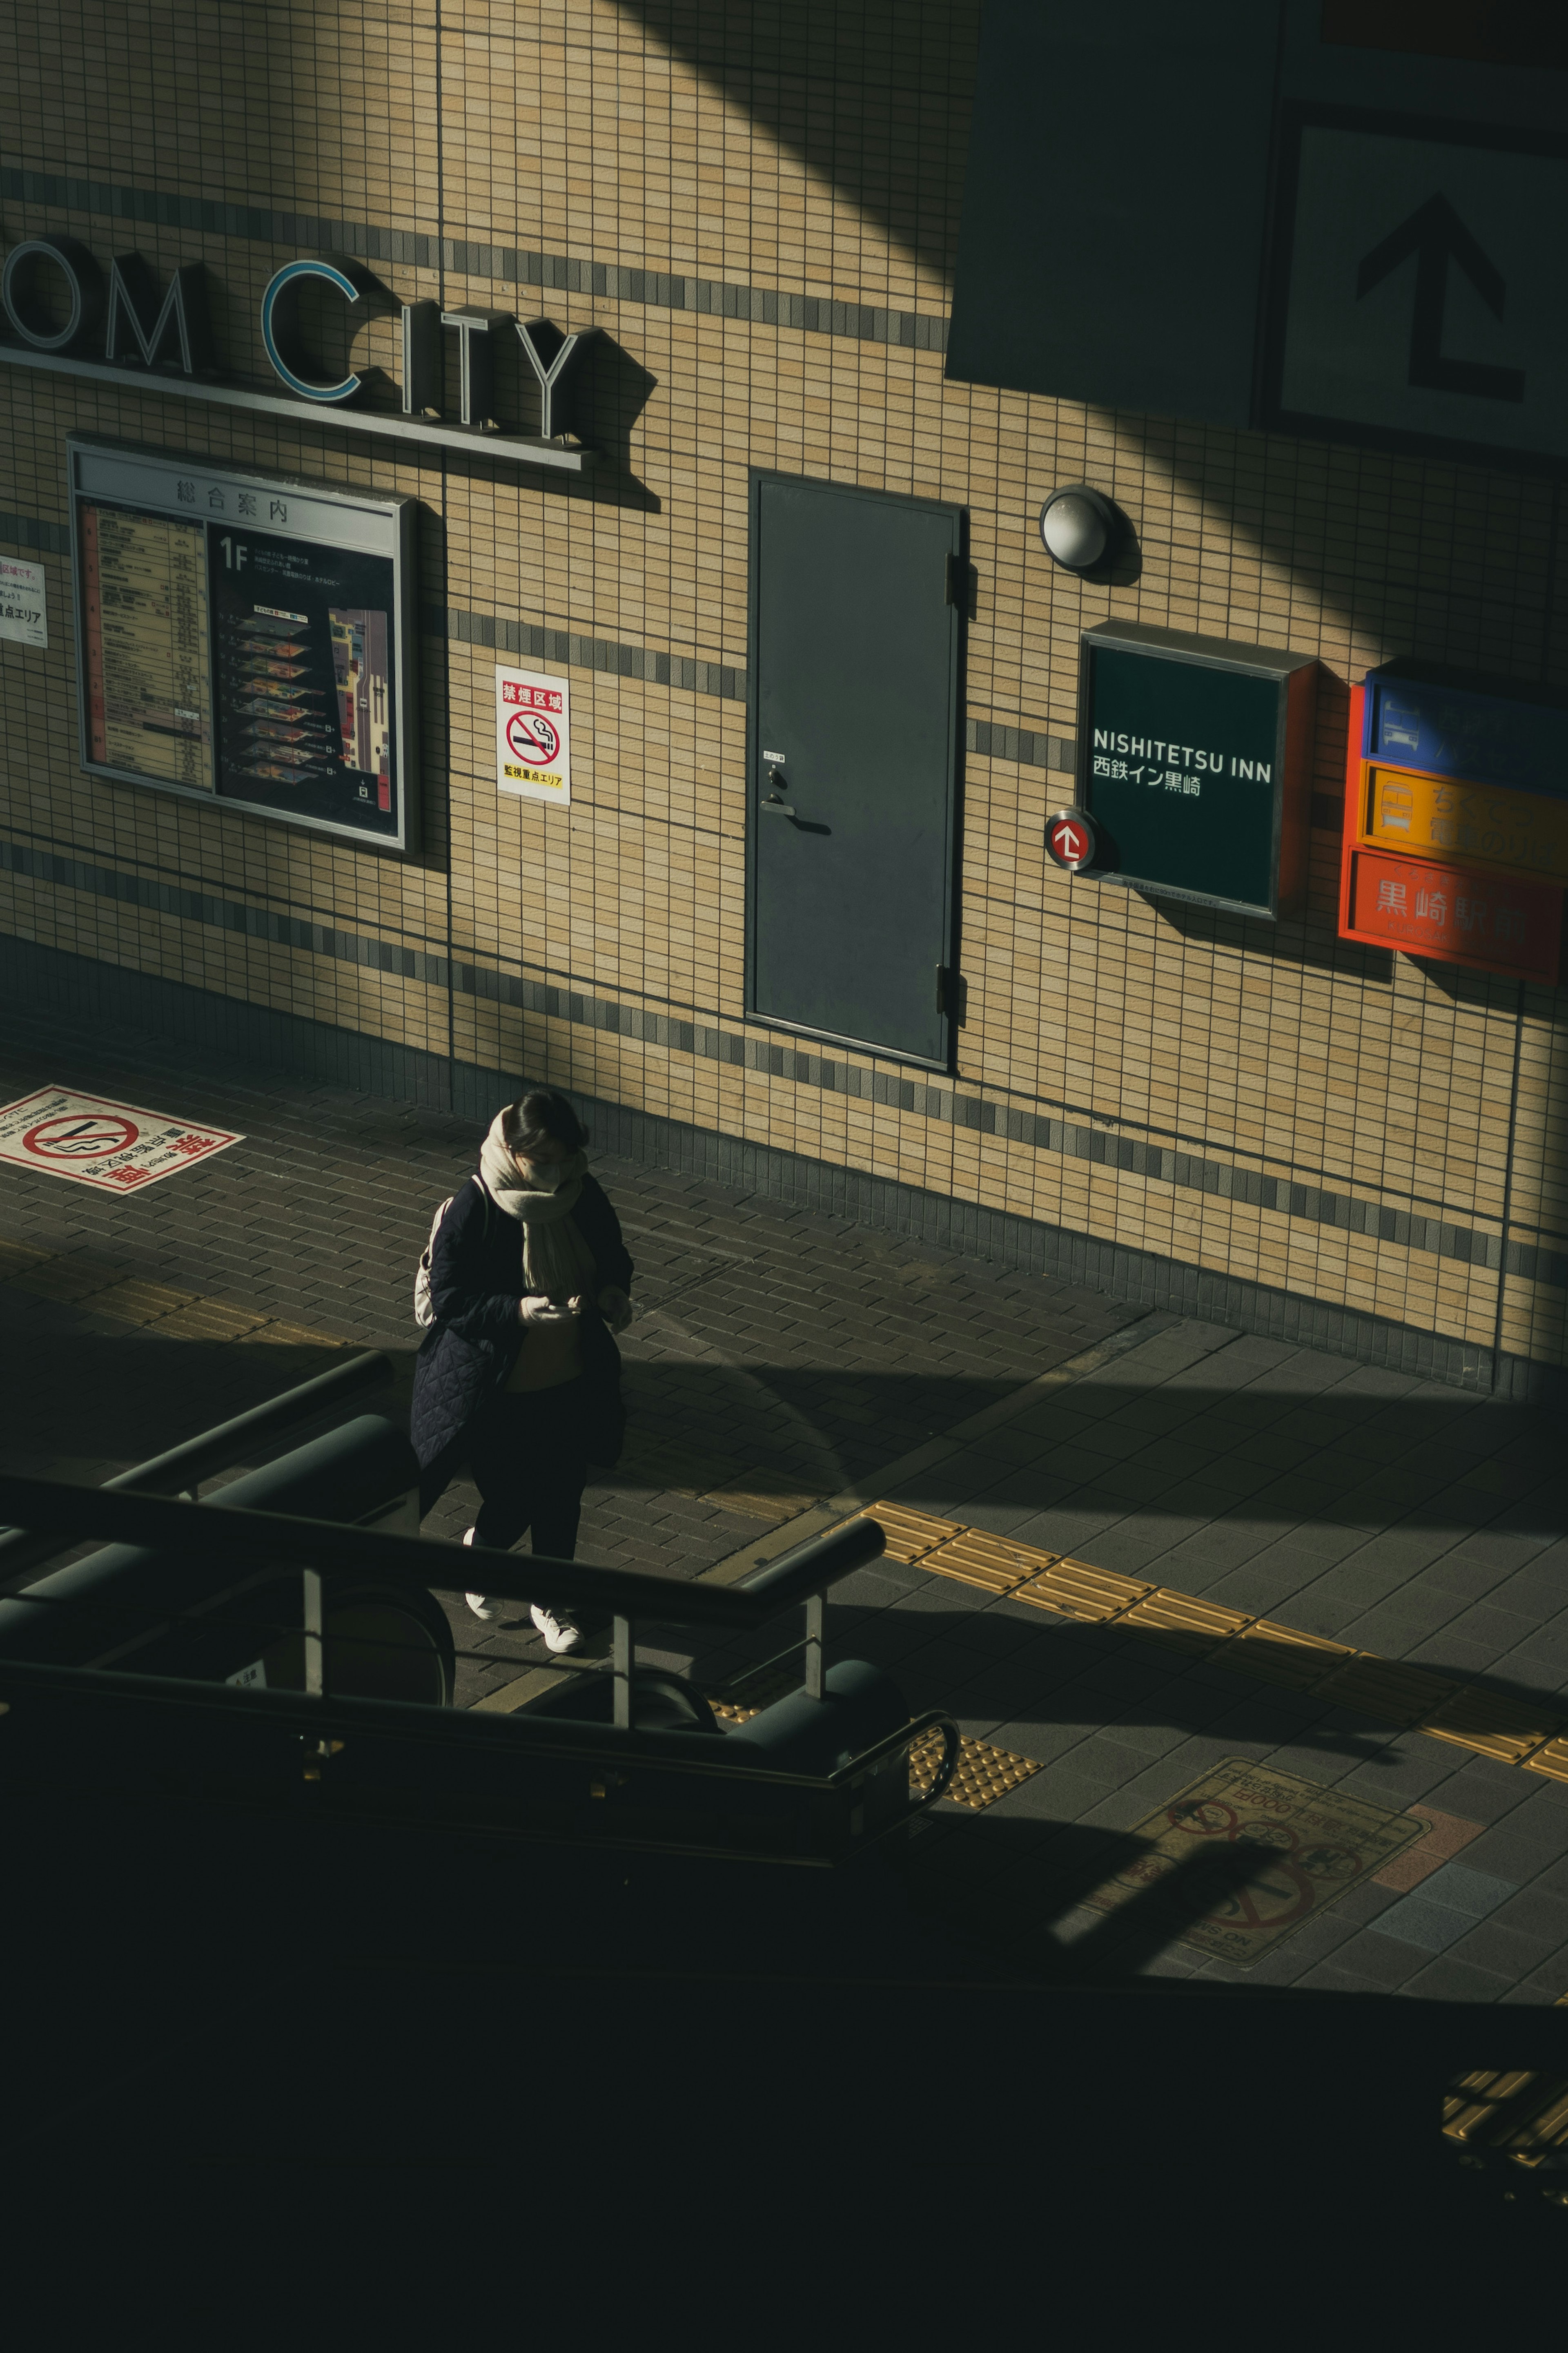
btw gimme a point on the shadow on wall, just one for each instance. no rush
(872, 97)
(1454, 564)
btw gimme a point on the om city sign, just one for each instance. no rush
(119, 325)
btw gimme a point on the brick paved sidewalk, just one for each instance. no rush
(778, 1353)
(1386, 1514)
(781, 1357)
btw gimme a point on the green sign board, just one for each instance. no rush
(1194, 761)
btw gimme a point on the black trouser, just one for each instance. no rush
(529, 1464)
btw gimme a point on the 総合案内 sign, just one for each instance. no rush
(1193, 764)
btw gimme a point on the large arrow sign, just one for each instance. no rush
(1420, 294)
(1436, 235)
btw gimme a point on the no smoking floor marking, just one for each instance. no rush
(1307, 1845)
(117, 1147)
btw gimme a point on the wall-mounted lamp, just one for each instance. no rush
(1077, 527)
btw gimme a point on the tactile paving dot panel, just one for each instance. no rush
(983, 1774)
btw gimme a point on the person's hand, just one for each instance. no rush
(536, 1309)
(615, 1307)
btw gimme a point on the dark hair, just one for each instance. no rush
(539, 1112)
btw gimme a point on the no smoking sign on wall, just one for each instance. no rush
(533, 736)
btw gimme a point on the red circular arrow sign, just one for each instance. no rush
(1070, 840)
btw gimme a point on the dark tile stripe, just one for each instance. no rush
(726, 679)
(1287, 1196)
(25, 530)
(79, 989)
(685, 673)
(1024, 744)
(862, 323)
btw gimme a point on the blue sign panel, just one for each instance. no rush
(1480, 731)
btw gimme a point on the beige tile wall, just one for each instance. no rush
(817, 149)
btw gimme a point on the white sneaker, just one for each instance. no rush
(477, 1602)
(561, 1632)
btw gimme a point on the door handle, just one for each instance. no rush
(775, 808)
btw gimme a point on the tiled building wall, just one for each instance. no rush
(1364, 1130)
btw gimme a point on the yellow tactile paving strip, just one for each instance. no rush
(1511, 1731)
(82, 1280)
(1515, 2114)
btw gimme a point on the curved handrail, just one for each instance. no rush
(905, 1737)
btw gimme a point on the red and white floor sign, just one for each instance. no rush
(116, 1146)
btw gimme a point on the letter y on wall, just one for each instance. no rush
(555, 387)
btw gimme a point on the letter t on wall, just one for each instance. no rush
(422, 370)
(473, 329)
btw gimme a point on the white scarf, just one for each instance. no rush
(556, 1260)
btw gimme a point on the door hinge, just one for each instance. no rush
(950, 992)
(957, 582)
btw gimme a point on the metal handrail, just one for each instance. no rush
(24, 1547)
(54, 1504)
(698, 1755)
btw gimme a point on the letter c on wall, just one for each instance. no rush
(279, 332)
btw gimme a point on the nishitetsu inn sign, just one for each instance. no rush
(1194, 759)
(68, 314)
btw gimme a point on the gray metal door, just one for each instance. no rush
(851, 766)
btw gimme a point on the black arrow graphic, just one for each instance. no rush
(1436, 235)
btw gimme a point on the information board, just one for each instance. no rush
(247, 640)
(1193, 764)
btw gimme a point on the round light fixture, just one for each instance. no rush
(1077, 527)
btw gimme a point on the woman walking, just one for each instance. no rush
(518, 1375)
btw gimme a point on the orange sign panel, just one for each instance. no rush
(1524, 833)
(1458, 915)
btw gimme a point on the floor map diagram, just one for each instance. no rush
(365, 686)
(305, 678)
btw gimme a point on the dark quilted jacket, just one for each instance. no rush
(466, 1357)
